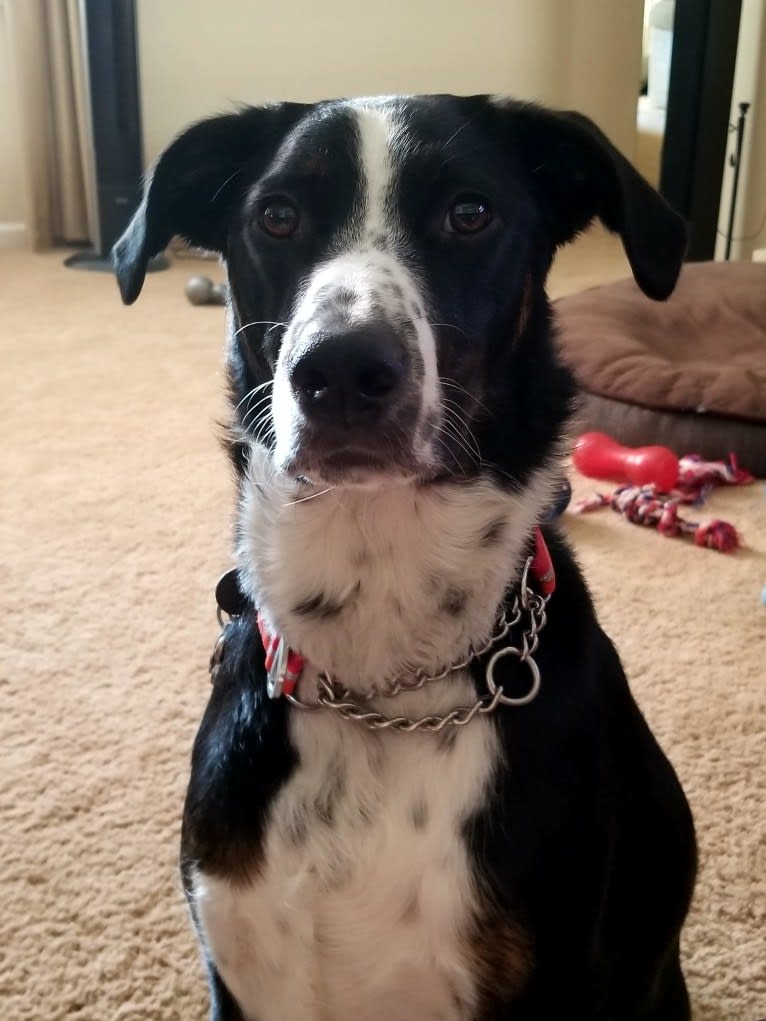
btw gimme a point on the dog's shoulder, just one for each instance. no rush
(575, 645)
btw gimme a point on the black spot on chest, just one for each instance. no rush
(411, 910)
(361, 557)
(446, 739)
(453, 602)
(319, 605)
(327, 801)
(419, 814)
(493, 534)
(297, 830)
(343, 297)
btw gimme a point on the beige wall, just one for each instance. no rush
(749, 87)
(12, 208)
(198, 58)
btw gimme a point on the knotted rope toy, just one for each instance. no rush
(647, 504)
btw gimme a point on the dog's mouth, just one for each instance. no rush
(407, 447)
(351, 466)
(371, 449)
(342, 461)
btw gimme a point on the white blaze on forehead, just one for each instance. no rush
(377, 133)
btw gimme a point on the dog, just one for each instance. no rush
(421, 788)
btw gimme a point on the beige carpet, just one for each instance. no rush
(115, 516)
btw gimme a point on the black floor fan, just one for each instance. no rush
(110, 46)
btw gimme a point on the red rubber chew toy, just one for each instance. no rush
(600, 457)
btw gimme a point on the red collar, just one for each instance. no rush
(284, 665)
(542, 565)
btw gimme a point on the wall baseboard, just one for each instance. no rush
(14, 235)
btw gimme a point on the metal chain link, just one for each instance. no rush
(419, 678)
(330, 695)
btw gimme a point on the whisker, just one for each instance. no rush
(467, 437)
(454, 134)
(265, 438)
(311, 496)
(448, 429)
(261, 400)
(262, 427)
(453, 411)
(254, 391)
(449, 448)
(259, 322)
(257, 415)
(470, 453)
(257, 410)
(248, 395)
(448, 326)
(220, 188)
(447, 381)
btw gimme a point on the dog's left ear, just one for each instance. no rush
(194, 185)
(578, 175)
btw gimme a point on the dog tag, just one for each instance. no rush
(228, 594)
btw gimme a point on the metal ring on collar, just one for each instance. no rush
(493, 687)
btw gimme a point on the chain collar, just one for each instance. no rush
(527, 605)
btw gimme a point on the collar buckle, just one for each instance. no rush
(276, 673)
(284, 666)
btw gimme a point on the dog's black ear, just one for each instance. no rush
(194, 185)
(578, 175)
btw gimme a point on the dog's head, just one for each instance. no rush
(387, 262)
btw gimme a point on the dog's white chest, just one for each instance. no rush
(364, 905)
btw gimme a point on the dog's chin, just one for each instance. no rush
(357, 469)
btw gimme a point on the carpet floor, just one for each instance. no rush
(115, 522)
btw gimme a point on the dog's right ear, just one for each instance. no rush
(194, 185)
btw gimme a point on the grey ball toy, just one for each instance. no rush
(202, 291)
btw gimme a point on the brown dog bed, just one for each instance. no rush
(689, 373)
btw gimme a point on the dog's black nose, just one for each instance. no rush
(349, 378)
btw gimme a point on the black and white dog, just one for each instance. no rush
(421, 788)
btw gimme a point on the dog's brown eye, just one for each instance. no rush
(468, 215)
(279, 219)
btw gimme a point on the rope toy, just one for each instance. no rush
(647, 505)
(697, 477)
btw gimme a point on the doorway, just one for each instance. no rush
(696, 130)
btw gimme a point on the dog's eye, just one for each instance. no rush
(278, 218)
(468, 215)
